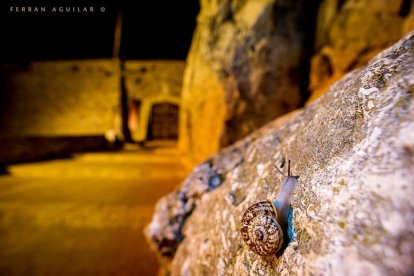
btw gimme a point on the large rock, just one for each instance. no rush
(247, 65)
(350, 32)
(353, 212)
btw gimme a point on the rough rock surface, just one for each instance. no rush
(350, 32)
(244, 69)
(353, 212)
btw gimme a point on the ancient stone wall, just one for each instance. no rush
(146, 79)
(80, 98)
(60, 98)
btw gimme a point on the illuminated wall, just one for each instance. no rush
(56, 98)
(82, 97)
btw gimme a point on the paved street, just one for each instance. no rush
(85, 215)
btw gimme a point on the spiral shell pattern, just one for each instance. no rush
(260, 229)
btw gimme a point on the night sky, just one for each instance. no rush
(159, 29)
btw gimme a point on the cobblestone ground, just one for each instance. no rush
(85, 215)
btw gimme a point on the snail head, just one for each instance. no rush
(289, 171)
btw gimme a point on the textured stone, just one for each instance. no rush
(84, 93)
(349, 33)
(353, 211)
(149, 79)
(244, 69)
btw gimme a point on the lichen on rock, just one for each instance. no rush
(353, 211)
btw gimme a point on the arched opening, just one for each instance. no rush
(163, 122)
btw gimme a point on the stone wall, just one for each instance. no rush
(146, 79)
(60, 98)
(83, 97)
(53, 108)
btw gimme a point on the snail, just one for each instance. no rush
(264, 224)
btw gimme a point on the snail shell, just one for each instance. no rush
(260, 229)
(262, 223)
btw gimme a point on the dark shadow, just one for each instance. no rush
(4, 170)
(308, 24)
(405, 8)
(340, 4)
(288, 234)
(124, 105)
(17, 150)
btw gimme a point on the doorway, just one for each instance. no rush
(163, 122)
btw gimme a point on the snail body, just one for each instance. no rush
(264, 224)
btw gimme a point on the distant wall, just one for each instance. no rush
(59, 98)
(150, 79)
(54, 108)
(151, 82)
